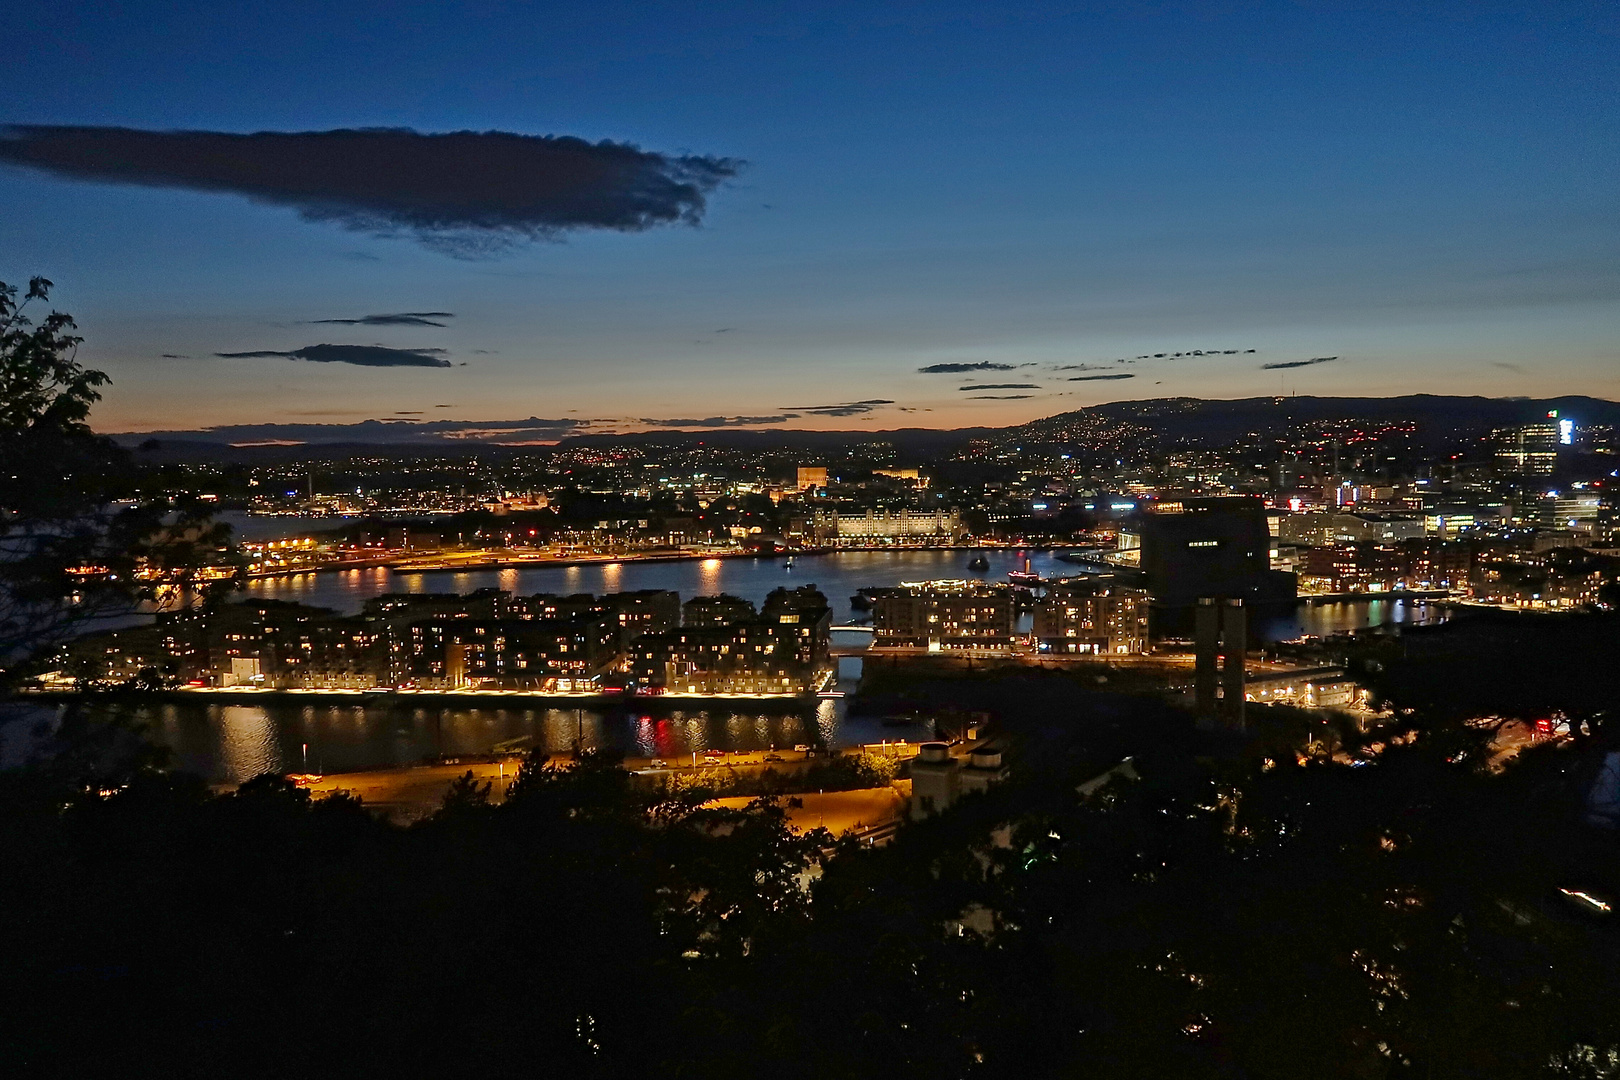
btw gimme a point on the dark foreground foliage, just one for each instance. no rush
(1239, 912)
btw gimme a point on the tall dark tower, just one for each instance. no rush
(1207, 646)
(1234, 647)
(1220, 644)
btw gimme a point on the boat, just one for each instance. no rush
(979, 563)
(1025, 577)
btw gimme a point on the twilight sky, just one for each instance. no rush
(1036, 200)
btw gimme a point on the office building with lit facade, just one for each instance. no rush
(1529, 449)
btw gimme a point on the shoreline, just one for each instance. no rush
(1357, 597)
(402, 566)
(238, 695)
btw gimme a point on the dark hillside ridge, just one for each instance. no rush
(1199, 421)
(1439, 419)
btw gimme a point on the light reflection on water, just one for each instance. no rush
(247, 743)
(236, 742)
(1323, 620)
(838, 575)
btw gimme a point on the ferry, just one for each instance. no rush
(1025, 577)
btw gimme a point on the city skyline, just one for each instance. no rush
(927, 217)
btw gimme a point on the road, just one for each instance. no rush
(841, 811)
(409, 793)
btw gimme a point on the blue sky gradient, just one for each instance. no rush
(1430, 196)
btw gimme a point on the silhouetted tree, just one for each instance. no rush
(75, 526)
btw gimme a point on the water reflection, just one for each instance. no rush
(838, 575)
(1324, 620)
(247, 742)
(236, 742)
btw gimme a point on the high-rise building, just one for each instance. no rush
(1213, 547)
(1529, 449)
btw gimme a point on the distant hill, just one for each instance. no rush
(1173, 421)
(1199, 421)
(198, 447)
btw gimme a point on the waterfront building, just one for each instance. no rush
(1320, 529)
(455, 653)
(644, 611)
(1413, 564)
(831, 526)
(944, 616)
(725, 647)
(1092, 615)
(803, 620)
(742, 658)
(720, 610)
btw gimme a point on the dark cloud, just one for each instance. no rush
(1189, 354)
(363, 355)
(847, 408)
(532, 430)
(403, 318)
(957, 369)
(1507, 367)
(1000, 386)
(467, 193)
(1101, 378)
(1001, 397)
(174, 356)
(721, 421)
(1298, 363)
(1083, 367)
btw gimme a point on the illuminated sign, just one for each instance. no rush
(1566, 431)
